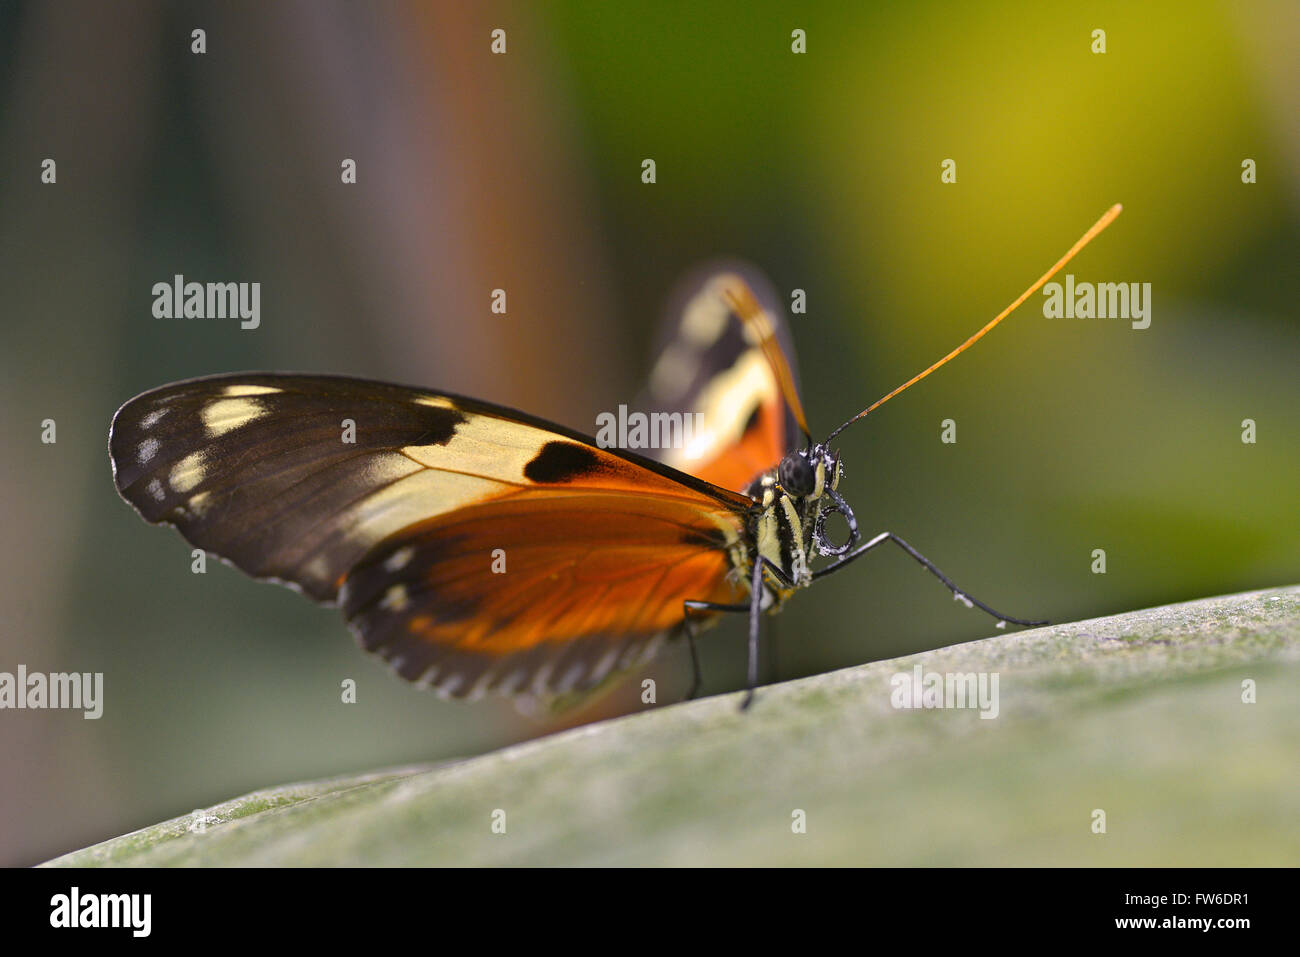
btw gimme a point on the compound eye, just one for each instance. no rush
(796, 475)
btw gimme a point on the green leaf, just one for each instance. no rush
(1139, 715)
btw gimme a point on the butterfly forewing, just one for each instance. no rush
(255, 468)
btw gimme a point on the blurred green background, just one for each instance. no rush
(522, 171)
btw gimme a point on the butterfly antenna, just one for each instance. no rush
(758, 323)
(1107, 218)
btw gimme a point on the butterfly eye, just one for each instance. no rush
(796, 475)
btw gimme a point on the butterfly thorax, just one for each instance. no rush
(792, 502)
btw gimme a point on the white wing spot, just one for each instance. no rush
(148, 449)
(571, 677)
(318, 568)
(187, 473)
(704, 319)
(630, 655)
(480, 687)
(449, 683)
(514, 680)
(606, 662)
(150, 420)
(673, 373)
(395, 599)
(226, 415)
(156, 490)
(399, 559)
(239, 390)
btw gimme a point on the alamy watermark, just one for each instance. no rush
(179, 299)
(649, 430)
(1104, 300)
(82, 691)
(133, 912)
(931, 689)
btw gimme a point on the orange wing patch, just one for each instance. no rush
(759, 446)
(585, 582)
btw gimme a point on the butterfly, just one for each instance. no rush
(480, 549)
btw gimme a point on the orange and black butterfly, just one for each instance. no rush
(479, 549)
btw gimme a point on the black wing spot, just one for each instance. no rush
(440, 426)
(560, 462)
(752, 422)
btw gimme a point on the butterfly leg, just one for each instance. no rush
(958, 593)
(688, 606)
(755, 619)
(755, 607)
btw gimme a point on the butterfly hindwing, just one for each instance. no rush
(394, 502)
(712, 363)
(543, 590)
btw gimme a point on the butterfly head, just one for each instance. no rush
(812, 476)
